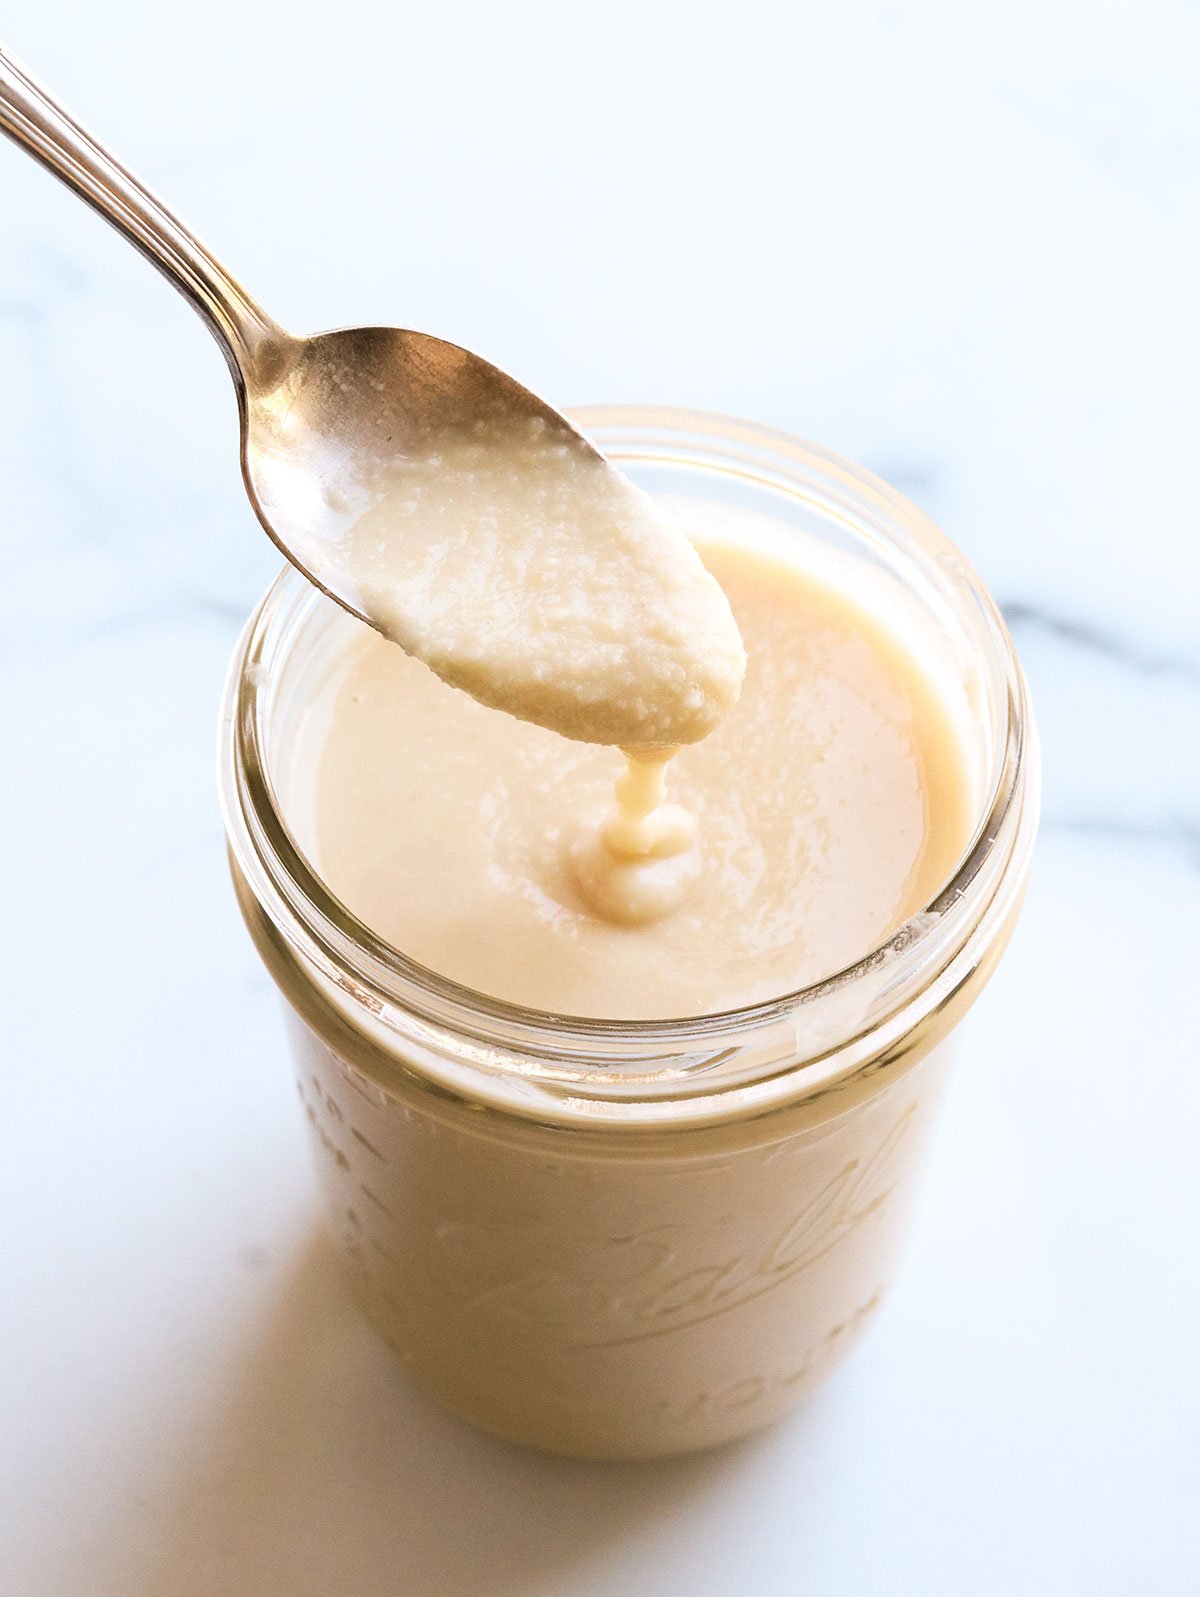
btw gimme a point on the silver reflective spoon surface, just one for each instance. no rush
(317, 414)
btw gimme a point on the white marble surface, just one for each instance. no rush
(959, 243)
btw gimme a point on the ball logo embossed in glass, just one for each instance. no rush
(628, 1287)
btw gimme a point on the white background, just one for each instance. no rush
(959, 243)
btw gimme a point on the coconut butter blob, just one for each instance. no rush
(523, 569)
(828, 806)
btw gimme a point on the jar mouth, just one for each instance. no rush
(850, 1012)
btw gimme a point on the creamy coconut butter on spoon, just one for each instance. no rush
(522, 567)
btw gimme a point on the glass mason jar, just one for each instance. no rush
(621, 1239)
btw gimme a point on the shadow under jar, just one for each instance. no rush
(624, 1239)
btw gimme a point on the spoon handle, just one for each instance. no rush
(33, 118)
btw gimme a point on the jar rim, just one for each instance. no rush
(908, 977)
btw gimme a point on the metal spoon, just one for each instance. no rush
(316, 413)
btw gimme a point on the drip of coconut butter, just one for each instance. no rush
(637, 864)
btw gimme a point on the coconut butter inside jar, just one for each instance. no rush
(617, 1068)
